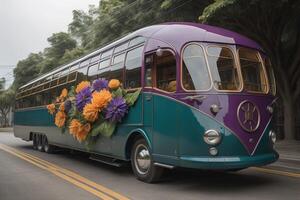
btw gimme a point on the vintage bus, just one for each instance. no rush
(206, 101)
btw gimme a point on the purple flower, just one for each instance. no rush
(116, 110)
(100, 84)
(68, 105)
(83, 97)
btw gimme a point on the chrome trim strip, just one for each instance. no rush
(263, 133)
(164, 165)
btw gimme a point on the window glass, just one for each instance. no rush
(223, 68)
(104, 63)
(74, 67)
(195, 74)
(133, 68)
(95, 58)
(93, 71)
(270, 75)
(136, 41)
(117, 67)
(121, 47)
(166, 72)
(252, 70)
(107, 53)
(84, 63)
(149, 63)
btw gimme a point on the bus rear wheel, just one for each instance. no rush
(142, 163)
(48, 148)
(40, 142)
(34, 141)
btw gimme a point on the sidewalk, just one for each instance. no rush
(6, 129)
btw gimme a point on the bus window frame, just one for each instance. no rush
(262, 65)
(153, 73)
(236, 62)
(263, 57)
(141, 72)
(181, 67)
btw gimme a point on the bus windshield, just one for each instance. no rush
(252, 70)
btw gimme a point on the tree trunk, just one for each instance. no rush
(289, 109)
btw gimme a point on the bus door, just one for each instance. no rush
(160, 79)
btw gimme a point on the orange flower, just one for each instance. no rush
(74, 127)
(64, 93)
(62, 107)
(83, 132)
(82, 85)
(60, 119)
(78, 130)
(90, 112)
(51, 108)
(114, 84)
(101, 99)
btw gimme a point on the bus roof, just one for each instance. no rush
(175, 33)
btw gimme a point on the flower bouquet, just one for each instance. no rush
(90, 109)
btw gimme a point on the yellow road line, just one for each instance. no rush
(277, 172)
(67, 175)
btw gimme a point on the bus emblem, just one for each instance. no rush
(248, 116)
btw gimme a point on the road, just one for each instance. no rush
(27, 174)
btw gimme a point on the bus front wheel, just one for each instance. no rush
(142, 163)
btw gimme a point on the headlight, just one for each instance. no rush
(272, 136)
(270, 109)
(212, 137)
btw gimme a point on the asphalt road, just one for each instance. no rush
(27, 174)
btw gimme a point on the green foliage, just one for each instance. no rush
(6, 103)
(132, 97)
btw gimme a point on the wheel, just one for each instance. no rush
(34, 141)
(48, 148)
(142, 163)
(40, 142)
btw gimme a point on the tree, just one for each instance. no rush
(2, 84)
(6, 103)
(27, 69)
(274, 25)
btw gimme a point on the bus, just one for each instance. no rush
(206, 101)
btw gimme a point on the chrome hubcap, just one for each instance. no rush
(142, 159)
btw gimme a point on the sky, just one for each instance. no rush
(26, 25)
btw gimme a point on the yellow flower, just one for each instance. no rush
(101, 99)
(51, 108)
(114, 84)
(62, 107)
(83, 132)
(64, 93)
(82, 85)
(90, 112)
(60, 119)
(78, 130)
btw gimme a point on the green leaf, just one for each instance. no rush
(107, 128)
(132, 97)
(117, 93)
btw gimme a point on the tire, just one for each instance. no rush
(142, 163)
(40, 142)
(34, 141)
(48, 148)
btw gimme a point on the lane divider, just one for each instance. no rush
(277, 172)
(72, 177)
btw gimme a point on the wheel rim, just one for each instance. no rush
(142, 159)
(39, 143)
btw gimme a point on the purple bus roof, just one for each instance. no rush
(179, 33)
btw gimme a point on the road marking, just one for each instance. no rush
(86, 184)
(277, 172)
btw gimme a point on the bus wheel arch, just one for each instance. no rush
(134, 136)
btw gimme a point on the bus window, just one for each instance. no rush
(95, 58)
(195, 74)
(133, 68)
(117, 67)
(252, 71)
(166, 72)
(92, 72)
(271, 77)
(121, 47)
(223, 68)
(149, 63)
(106, 53)
(136, 41)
